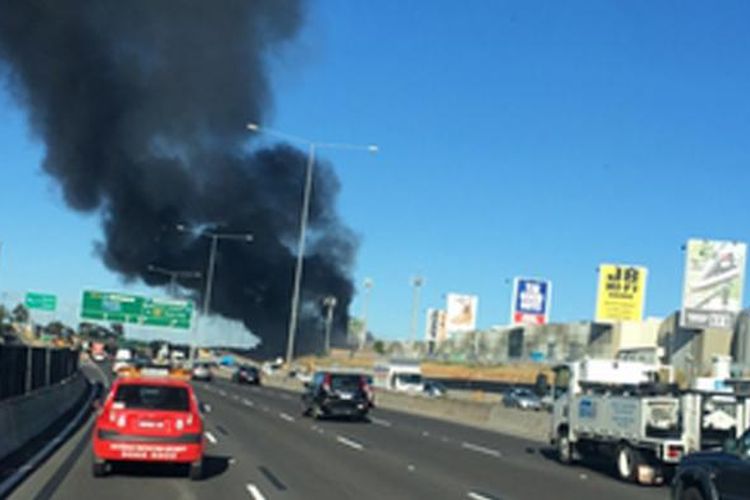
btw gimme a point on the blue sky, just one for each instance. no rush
(517, 138)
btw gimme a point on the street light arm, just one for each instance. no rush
(231, 236)
(372, 148)
(254, 127)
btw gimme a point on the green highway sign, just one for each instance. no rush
(136, 310)
(41, 301)
(169, 313)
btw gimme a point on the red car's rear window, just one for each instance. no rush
(153, 397)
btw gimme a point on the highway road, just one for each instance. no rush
(260, 447)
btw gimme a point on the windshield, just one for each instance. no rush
(346, 382)
(409, 378)
(358, 197)
(152, 397)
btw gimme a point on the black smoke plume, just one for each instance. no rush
(142, 106)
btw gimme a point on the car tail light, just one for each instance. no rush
(190, 420)
(327, 382)
(179, 424)
(121, 421)
(366, 389)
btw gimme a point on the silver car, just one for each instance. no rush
(202, 371)
(525, 399)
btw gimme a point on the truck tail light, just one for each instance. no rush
(674, 451)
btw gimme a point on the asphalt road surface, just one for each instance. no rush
(260, 447)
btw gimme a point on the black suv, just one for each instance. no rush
(718, 475)
(331, 394)
(246, 375)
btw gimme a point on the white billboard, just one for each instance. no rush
(713, 283)
(461, 313)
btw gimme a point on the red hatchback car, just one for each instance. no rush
(149, 419)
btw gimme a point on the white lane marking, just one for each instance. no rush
(476, 496)
(265, 408)
(286, 417)
(211, 437)
(254, 492)
(425, 433)
(481, 449)
(411, 468)
(349, 443)
(247, 402)
(380, 421)
(223, 393)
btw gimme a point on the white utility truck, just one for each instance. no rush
(401, 375)
(625, 410)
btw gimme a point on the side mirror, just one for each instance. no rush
(729, 445)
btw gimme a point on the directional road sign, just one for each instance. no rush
(137, 310)
(41, 301)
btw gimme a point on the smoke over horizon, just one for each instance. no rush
(142, 108)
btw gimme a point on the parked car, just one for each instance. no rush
(246, 375)
(434, 389)
(715, 475)
(332, 394)
(521, 398)
(149, 419)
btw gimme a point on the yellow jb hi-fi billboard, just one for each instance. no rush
(621, 293)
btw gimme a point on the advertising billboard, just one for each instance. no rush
(461, 313)
(435, 325)
(531, 301)
(621, 293)
(713, 282)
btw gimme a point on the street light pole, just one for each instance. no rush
(365, 306)
(330, 303)
(173, 276)
(300, 255)
(305, 211)
(214, 237)
(417, 283)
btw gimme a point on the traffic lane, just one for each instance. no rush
(531, 453)
(500, 464)
(310, 463)
(67, 475)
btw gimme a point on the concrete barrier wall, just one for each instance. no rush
(485, 415)
(24, 417)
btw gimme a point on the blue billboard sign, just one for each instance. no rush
(531, 301)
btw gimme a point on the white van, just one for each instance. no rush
(399, 375)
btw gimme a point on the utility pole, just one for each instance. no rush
(330, 303)
(416, 283)
(365, 304)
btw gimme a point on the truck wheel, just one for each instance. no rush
(564, 449)
(196, 470)
(691, 494)
(628, 461)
